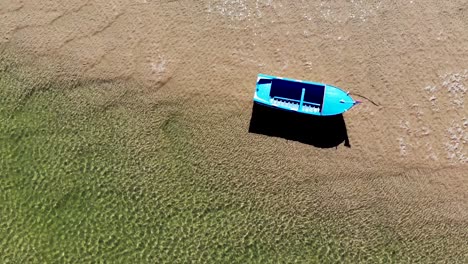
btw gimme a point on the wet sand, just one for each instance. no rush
(409, 58)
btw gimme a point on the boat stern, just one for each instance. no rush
(262, 89)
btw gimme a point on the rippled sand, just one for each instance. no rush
(409, 150)
(409, 57)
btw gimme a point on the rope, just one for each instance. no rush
(372, 102)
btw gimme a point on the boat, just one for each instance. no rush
(302, 96)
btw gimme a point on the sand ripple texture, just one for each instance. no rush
(408, 57)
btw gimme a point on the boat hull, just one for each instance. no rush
(301, 96)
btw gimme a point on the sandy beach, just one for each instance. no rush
(407, 167)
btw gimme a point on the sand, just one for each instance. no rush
(407, 57)
(409, 150)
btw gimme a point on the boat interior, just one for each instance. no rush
(289, 94)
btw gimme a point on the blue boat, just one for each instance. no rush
(302, 96)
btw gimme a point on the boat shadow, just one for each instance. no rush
(318, 131)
